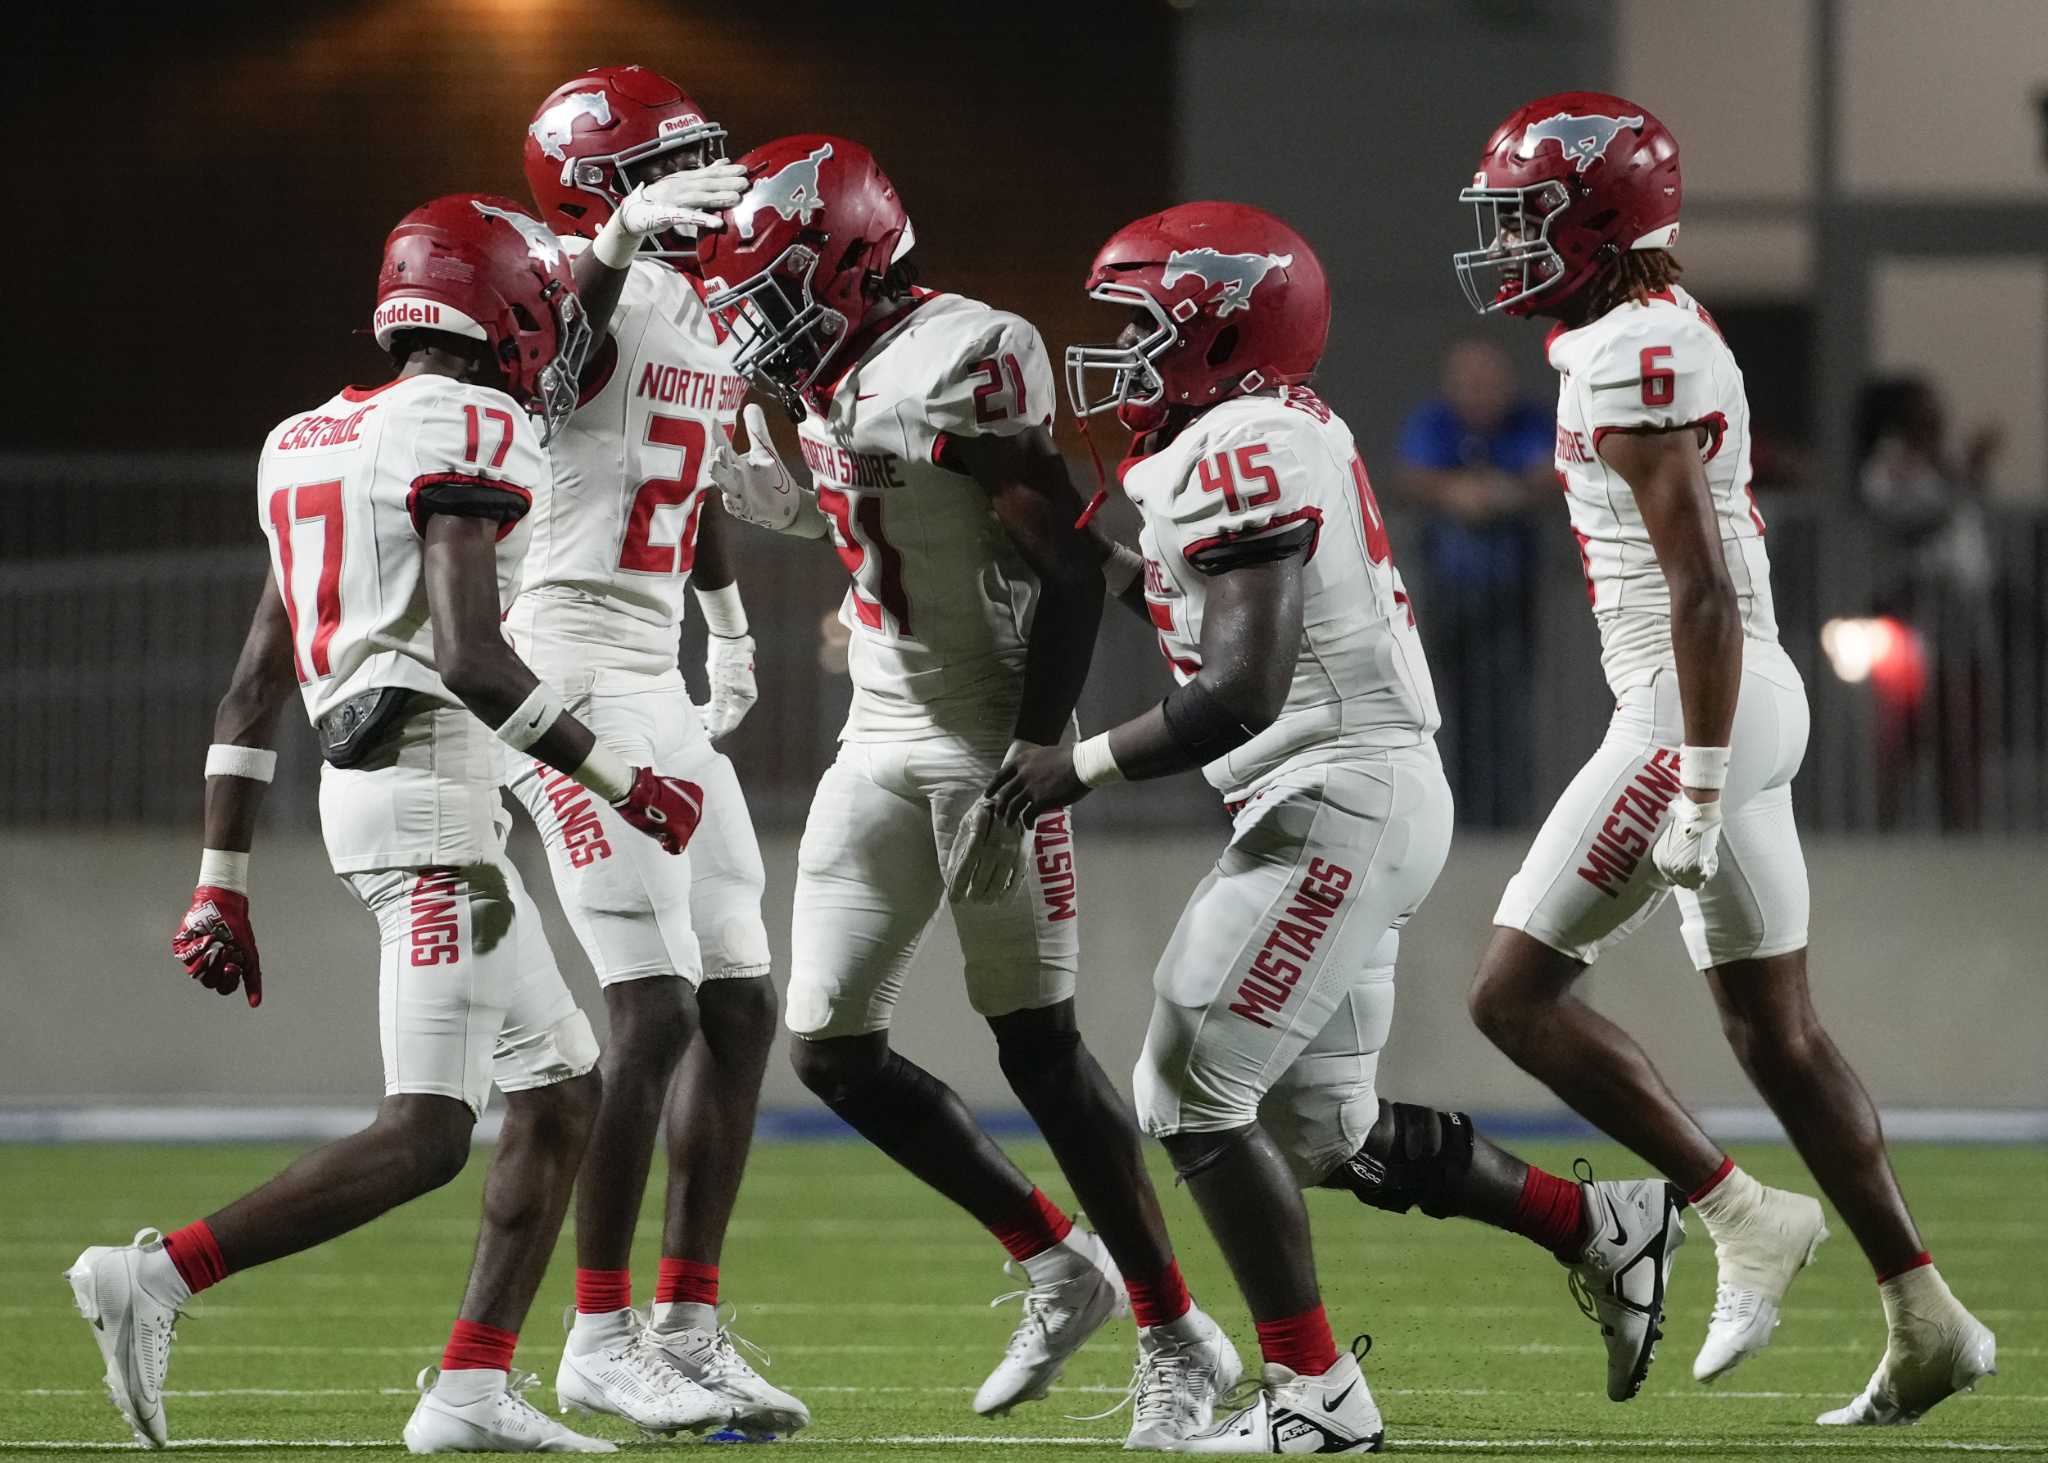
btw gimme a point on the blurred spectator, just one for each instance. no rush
(1476, 460)
(1936, 574)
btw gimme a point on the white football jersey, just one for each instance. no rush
(1660, 365)
(614, 543)
(1242, 476)
(941, 602)
(344, 492)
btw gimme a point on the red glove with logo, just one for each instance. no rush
(215, 944)
(666, 809)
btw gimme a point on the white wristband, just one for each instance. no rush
(221, 868)
(1120, 569)
(1703, 767)
(614, 246)
(1094, 763)
(605, 773)
(724, 615)
(534, 718)
(224, 759)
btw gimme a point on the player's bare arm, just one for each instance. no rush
(490, 679)
(1251, 634)
(1034, 499)
(1663, 470)
(215, 941)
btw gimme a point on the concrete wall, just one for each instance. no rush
(1929, 969)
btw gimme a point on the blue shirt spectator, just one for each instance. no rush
(1475, 460)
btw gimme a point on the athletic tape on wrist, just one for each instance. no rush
(724, 615)
(224, 868)
(224, 759)
(605, 773)
(534, 718)
(614, 246)
(1703, 767)
(1120, 569)
(1094, 763)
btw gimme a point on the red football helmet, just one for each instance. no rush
(1236, 299)
(801, 258)
(1567, 184)
(591, 130)
(482, 267)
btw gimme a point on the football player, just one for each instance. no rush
(397, 516)
(972, 614)
(1304, 697)
(626, 168)
(1577, 198)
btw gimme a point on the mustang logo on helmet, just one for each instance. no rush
(1583, 139)
(553, 128)
(541, 244)
(1238, 274)
(792, 191)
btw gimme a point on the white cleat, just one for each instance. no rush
(133, 1327)
(707, 1356)
(631, 1377)
(1179, 1380)
(499, 1420)
(1618, 1279)
(1332, 1413)
(1757, 1261)
(1060, 1313)
(1934, 1351)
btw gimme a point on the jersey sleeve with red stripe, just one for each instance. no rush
(475, 454)
(1652, 370)
(1249, 496)
(998, 382)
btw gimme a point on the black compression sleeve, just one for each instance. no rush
(1205, 728)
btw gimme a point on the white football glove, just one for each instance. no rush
(757, 488)
(982, 864)
(684, 201)
(729, 668)
(1688, 847)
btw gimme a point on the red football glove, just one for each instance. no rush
(217, 947)
(666, 809)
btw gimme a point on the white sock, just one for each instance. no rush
(1731, 1203)
(1918, 1294)
(160, 1277)
(595, 1330)
(1062, 1261)
(1186, 1327)
(685, 1315)
(469, 1384)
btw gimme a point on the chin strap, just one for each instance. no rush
(1101, 476)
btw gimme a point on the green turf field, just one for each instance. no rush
(871, 1296)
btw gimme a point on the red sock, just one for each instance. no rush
(689, 1282)
(1923, 1258)
(600, 1292)
(473, 1346)
(1160, 1300)
(1727, 1167)
(1303, 1344)
(196, 1254)
(1551, 1211)
(1036, 1230)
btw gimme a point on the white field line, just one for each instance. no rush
(1102, 1389)
(1892, 1444)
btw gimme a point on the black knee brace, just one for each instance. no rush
(1414, 1157)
